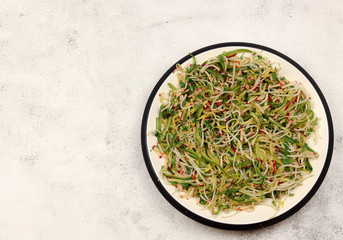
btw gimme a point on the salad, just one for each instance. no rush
(234, 133)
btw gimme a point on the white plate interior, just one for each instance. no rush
(261, 213)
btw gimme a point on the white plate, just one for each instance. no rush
(262, 215)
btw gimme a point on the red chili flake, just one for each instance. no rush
(190, 65)
(288, 119)
(270, 98)
(201, 185)
(287, 105)
(295, 99)
(160, 156)
(263, 132)
(233, 149)
(274, 167)
(153, 146)
(200, 77)
(287, 114)
(210, 103)
(218, 104)
(159, 94)
(276, 149)
(202, 100)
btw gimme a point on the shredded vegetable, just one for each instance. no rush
(234, 133)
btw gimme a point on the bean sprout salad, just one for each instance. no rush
(233, 132)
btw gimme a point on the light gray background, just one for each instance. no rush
(74, 80)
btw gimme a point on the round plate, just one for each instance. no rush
(262, 216)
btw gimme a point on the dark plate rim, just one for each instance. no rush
(197, 217)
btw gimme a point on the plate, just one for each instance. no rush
(262, 216)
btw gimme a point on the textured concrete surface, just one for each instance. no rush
(74, 80)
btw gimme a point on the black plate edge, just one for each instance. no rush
(206, 221)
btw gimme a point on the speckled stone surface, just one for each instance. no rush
(74, 80)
